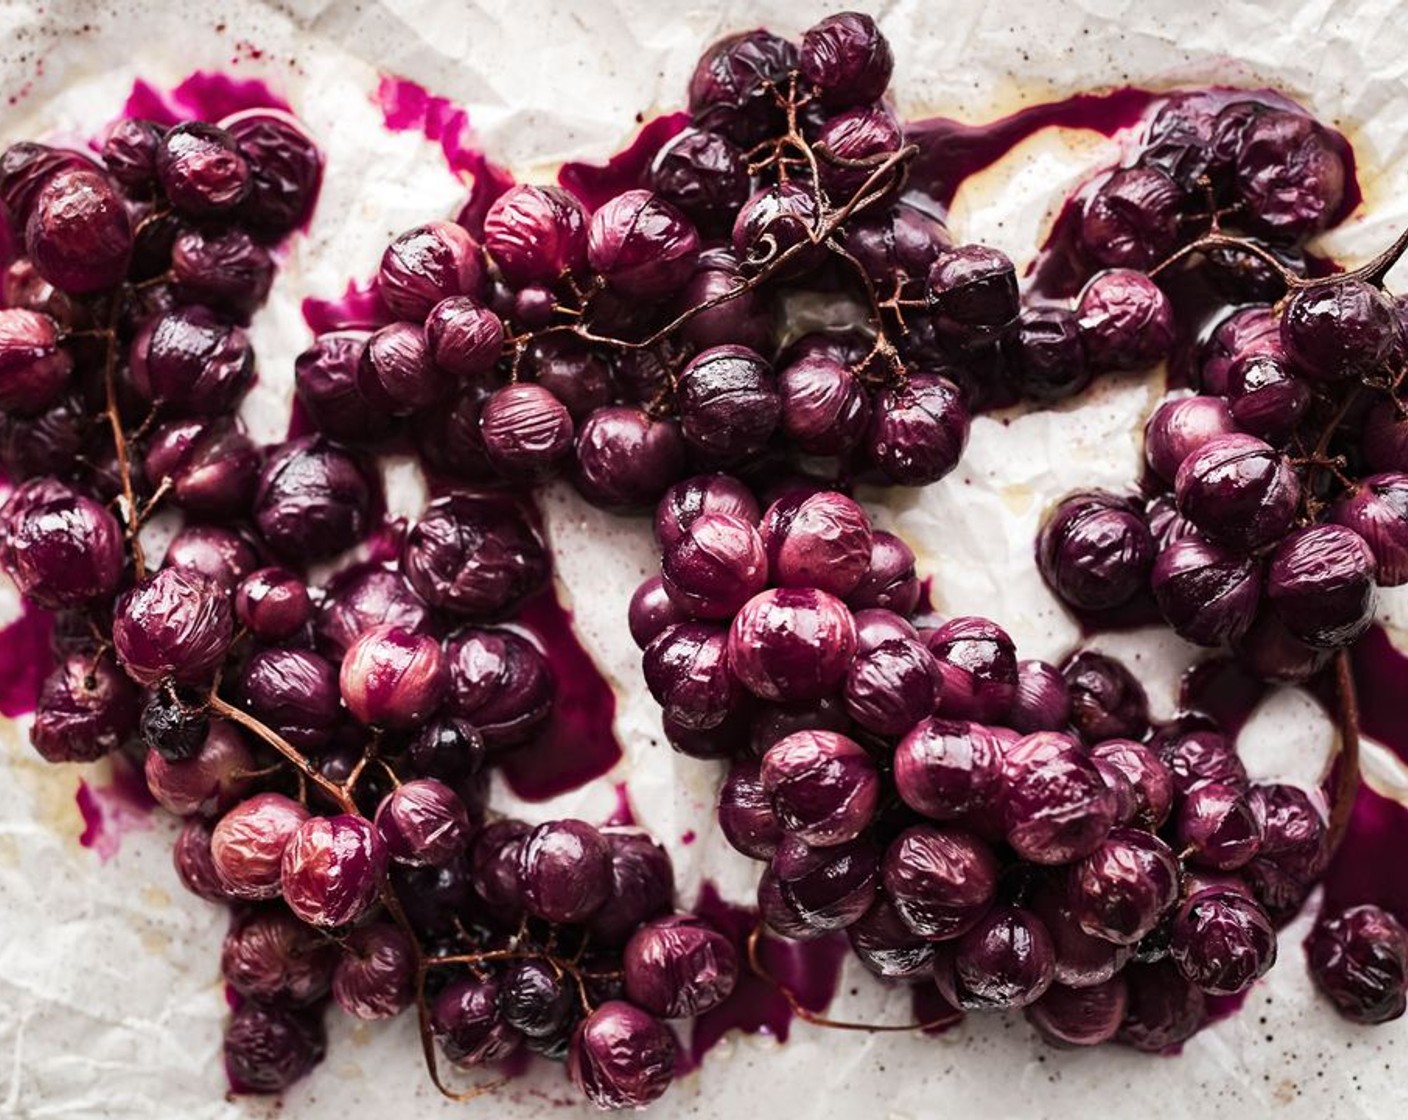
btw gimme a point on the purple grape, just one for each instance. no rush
(642, 246)
(313, 501)
(889, 583)
(1132, 219)
(1377, 510)
(679, 967)
(564, 868)
(375, 975)
(1321, 585)
(1206, 593)
(248, 843)
(1121, 890)
(286, 171)
(393, 678)
(175, 625)
(201, 169)
(1359, 959)
(332, 869)
(1266, 398)
(423, 823)
(474, 555)
(210, 781)
(501, 683)
(1055, 805)
(1046, 354)
(652, 612)
(864, 135)
(396, 375)
(791, 644)
(1248, 330)
(1194, 755)
(821, 540)
(190, 855)
(86, 709)
(467, 1023)
(273, 604)
(1164, 1010)
(685, 502)
(1005, 960)
(295, 693)
(1294, 849)
(464, 338)
(1107, 700)
(946, 769)
(267, 1048)
(704, 175)
(625, 458)
(728, 403)
(1042, 701)
(1126, 322)
(887, 946)
(1095, 551)
(1384, 439)
(892, 686)
(734, 87)
(848, 59)
(918, 432)
(642, 885)
(220, 555)
(361, 598)
(771, 723)
(228, 271)
(325, 380)
(1222, 941)
(1149, 778)
(823, 787)
(212, 467)
(715, 566)
(1181, 426)
(427, 264)
(778, 220)
(527, 432)
(536, 235)
(940, 881)
(449, 748)
(744, 318)
(745, 812)
(1082, 961)
(826, 888)
(1288, 174)
(686, 669)
(34, 368)
(1217, 828)
(78, 233)
(536, 998)
(62, 550)
(270, 955)
(972, 293)
(1067, 1017)
(825, 408)
(979, 666)
(622, 1057)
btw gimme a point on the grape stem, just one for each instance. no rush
(127, 503)
(1346, 762)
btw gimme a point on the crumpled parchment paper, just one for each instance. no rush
(110, 998)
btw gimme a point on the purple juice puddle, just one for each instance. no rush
(1224, 1007)
(408, 107)
(1140, 611)
(26, 658)
(623, 815)
(810, 970)
(206, 95)
(579, 743)
(1220, 688)
(597, 183)
(359, 308)
(1380, 679)
(111, 811)
(1364, 869)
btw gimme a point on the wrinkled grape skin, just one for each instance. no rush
(314, 500)
(745, 812)
(940, 881)
(270, 955)
(685, 502)
(686, 670)
(423, 823)
(190, 855)
(1238, 491)
(728, 403)
(1132, 219)
(1107, 700)
(474, 555)
(248, 844)
(679, 967)
(393, 678)
(625, 458)
(825, 888)
(1217, 828)
(821, 540)
(644, 247)
(978, 662)
(892, 686)
(33, 367)
(918, 433)
(1082, 961)
(61, 549)
(1066, 1017)
(466, 1021)
(1095, 552)
(86, 709)
(1288, 174)
(1321, 585)
(1006, 960)
(175, 625)
(1163, 1010)
(362, 597)
(212, 467)
(716, 565)
(887, 946)
(1206, 593)
(332, 869)
(295, 693)
(78, 233)
(1359, 959)
(1042, 701)
(823, 787)
(501, 683)
(1377, 509)
(1121, 890)
(564, 868)
(267, 1048)
(890, 582)
(1055, 805)
(946, 769)
(622, 1057)
(642, 884)
(536, 235)
(1148, 776)
(1126, 322)
(427, 264)
(791, 645)
(847, 58)
(1179, 427)
(374, 977)
(212, 780)
(1222, 941)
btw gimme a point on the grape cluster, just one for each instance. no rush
(1275, 500)
(328, 745)
(636, 343)
(1018, 834)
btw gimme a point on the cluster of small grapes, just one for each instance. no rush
(1275, 502)
(328, 746)
(1018, 834)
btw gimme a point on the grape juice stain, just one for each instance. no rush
(112, 810)
(597, 183)
(579, 743)
(811, 971)
(358, 308)
(26, 658)
(1220, 688)
(206, 95)
(1380, 682)
(623, 815)
(408, 107)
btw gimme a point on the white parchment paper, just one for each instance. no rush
(110, 997)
